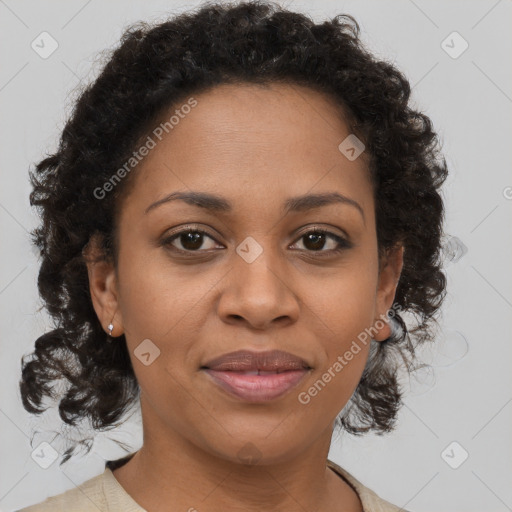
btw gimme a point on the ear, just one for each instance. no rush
(103, 286)
(389, 275)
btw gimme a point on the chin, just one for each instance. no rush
(258, 449)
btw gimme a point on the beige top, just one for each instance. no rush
(104, 493)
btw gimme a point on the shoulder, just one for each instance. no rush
(103, 493)
(370, 500)
(87, 496)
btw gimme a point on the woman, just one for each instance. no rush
(241, 208)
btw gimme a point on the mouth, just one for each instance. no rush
(257, 376)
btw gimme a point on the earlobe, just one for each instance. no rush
(389, 277)
(103, 288)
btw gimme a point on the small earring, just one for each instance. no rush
(110, 328)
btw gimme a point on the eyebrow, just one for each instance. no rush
(215, 203)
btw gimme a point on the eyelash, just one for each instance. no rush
(343, 244)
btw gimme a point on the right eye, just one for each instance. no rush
(191, 240)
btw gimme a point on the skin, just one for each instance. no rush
(255, 146)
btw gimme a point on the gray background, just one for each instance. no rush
(465, 398)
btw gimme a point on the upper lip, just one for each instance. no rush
(247, 360)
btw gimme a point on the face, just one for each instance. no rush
(200, 283)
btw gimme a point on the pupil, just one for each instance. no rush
(318, 240)
(193, 239)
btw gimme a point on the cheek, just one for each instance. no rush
(165, 305)
(345, 350)
(331, 386)
(345, 303)
(155, 296)
(344, 308)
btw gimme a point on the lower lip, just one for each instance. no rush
(257, 388)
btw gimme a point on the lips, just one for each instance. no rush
(257, 376)
(275, 361)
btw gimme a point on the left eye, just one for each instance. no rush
(315, 241)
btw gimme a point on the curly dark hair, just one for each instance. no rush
(154, 67)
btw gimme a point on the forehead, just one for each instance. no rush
(245, 116)
(251, 141)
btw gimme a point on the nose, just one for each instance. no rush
(258, 294)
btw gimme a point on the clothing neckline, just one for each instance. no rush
(365, 495)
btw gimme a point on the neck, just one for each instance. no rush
(170, 469)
